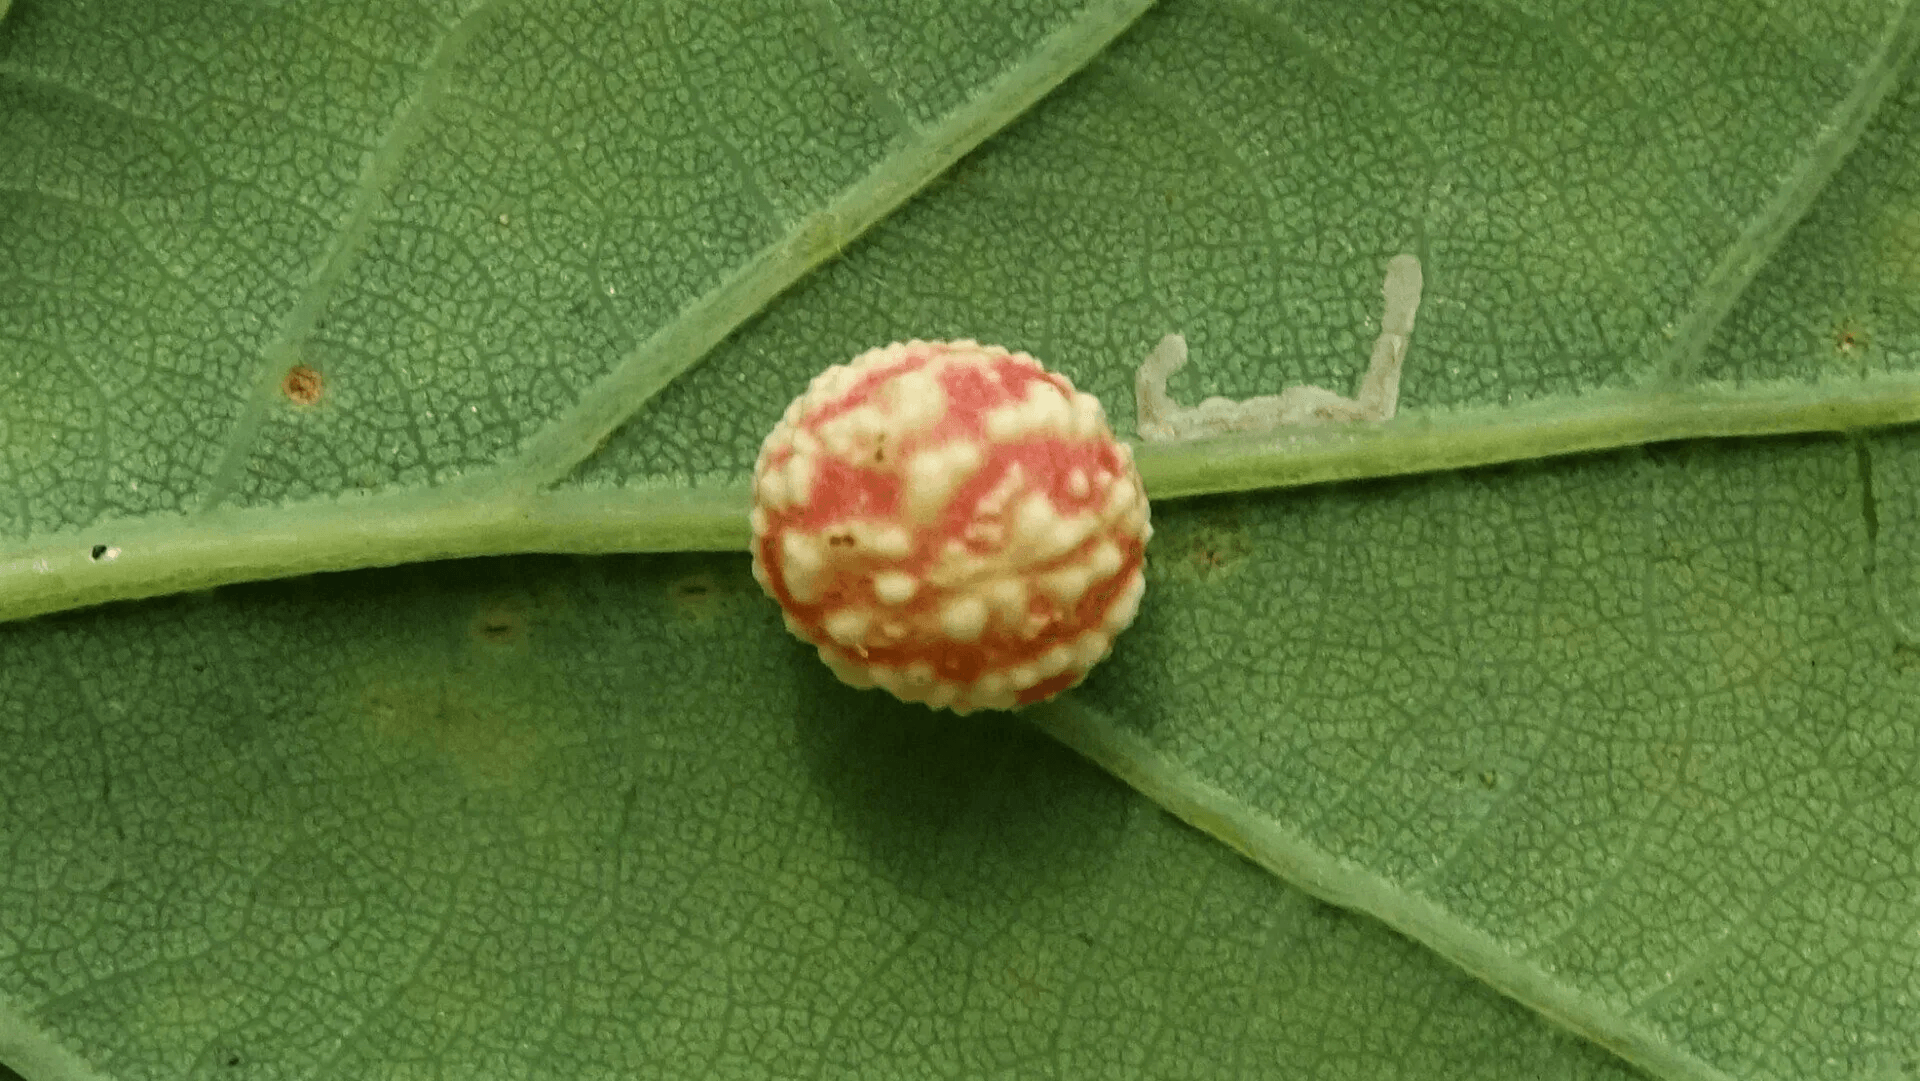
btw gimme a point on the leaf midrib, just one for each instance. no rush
(161, 555)
(511, 508)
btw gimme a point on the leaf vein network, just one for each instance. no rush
(381, 169)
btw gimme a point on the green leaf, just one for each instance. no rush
(1586, 196)
(577, 819)
(422, 260)
(1621, 737)
(1629, 737)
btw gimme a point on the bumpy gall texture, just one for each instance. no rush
(952, 522)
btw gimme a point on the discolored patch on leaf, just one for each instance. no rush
(302, 385)
(1206, 548)
(487, 743)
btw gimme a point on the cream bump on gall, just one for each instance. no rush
(951, 522)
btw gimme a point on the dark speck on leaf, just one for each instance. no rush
(501, 622)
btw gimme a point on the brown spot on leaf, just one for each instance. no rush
(302, 385)
(1849, 336)
(1206, 546)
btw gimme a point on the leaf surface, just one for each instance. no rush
(562, 819)
(1629, 736)
(1586, 210)
(1622, 736)
(422, 258)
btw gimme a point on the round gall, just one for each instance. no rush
(951, 522)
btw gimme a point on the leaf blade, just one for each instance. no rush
(546, 818)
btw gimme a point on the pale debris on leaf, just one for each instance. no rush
(1164, 420)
